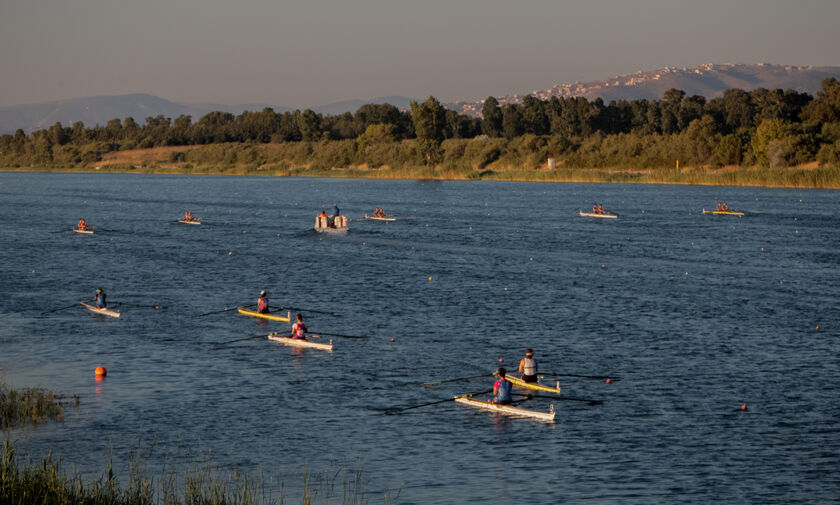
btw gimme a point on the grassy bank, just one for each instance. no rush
(26, 483)
(523, 159)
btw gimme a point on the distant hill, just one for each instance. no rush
(95, 110)
(707, 80)
(101, 109)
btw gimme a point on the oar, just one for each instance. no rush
(339, 335)
(426, 384)
(569, 398)
(141, 306)
(597, 377)
(394, 410)
(103, 229)
(62, 308)
(224, 310)
(264, 335)
(61, 231)
(298, 309)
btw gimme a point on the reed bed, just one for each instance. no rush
(33, 405)
(45, 483)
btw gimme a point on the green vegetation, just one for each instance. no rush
(45, 483)
(33, 405)
(763, 137)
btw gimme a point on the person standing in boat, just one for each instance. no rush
(100, 298)
(335, 214)
(299, 329)
(262, 303)
(528, 366)
(502, 388)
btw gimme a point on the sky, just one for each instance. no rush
(305, 53)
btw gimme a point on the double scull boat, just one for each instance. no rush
(723, 212)
(595, 214)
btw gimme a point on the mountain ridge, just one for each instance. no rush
(709, 80)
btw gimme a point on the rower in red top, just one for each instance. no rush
(81, 225)
(188, 216)
(262, 303)
(501, 389)
(299, 329)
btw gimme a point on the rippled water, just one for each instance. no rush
(696, 314)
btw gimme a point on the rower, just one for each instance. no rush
(188, 216)
(528, 366)
(81, 225)
(601, 209)
(595, 208)
(262, 303)
(299, 329)
(501, 389)
(100, 298)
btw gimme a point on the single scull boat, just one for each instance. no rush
(507, 409)
(270, 317)
(86, 232)
(516, 381)
(103, 311)
(192, 221)
(298, 342)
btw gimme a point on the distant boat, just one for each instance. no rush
(336, 224)
(596, 214)
(724, 212)
(381, 218)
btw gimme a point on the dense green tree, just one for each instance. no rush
(512, 121)
(491, 118)
(826, 107)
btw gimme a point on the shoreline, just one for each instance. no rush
(792, 178)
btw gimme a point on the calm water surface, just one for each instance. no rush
(697, 315)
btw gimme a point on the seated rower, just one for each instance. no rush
(299, 329)
(595, 208)
(188, 216)
(262, 303)
(725, 207)
(81, 225)
(528, 366)
(100, 298)
(601, 209)
(501, 389)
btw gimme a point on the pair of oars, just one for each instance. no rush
(298, 309)
(597, 377)
(288, 334)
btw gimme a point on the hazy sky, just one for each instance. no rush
(300, 53)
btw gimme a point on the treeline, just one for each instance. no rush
(763, 127)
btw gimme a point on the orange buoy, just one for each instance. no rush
(392, 339)
(501, 360)
(100, 371)
(743, 406)
(609, 381)
(430, 277)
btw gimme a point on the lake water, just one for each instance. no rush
(695, 314)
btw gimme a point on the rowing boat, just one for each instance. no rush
(595, 214)
(297, 342)
(516, 381)
(191, 221)
(723, 212)
(507, 409)
(86, 232)
(104, 311)
(270, 317)
(378, 218)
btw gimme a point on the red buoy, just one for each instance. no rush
(501, 360)
(392, 339)
(743, 406)
(100, 371)
(609, 381)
